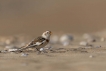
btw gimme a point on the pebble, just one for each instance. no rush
(66, 43)
(41, 49)
(83, 43)
(24, 54)
(98, 46)
(66, 39)
(87, 36)
(91, 40)
(12, 50)
(48, 48)
(102, 39)
(88, 47)
(54, 39)
(91, 56)
(10, 46)
(3, 51)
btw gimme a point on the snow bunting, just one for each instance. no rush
(39, 42)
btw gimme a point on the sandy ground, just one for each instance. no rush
(72, 57)
(23, 20)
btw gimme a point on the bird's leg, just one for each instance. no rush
(38, 51)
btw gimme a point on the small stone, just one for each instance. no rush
(66, 43)
(8, 41)
(48, 48)
(83, 43)
(12, 50)
(41, 49)
(24, 54)
(88, 47)
(3, 51)
(102, 39)
(91, 40)
(10, 46)
(91, 56)
(66, 39)
(98, 46)
(87, 36)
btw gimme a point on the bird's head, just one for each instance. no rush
(46, 34)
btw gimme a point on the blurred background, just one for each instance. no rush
(35, 16)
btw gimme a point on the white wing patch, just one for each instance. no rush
(38, 43)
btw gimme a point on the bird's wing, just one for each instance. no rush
(36, 42)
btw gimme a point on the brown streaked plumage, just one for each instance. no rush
(39, 42)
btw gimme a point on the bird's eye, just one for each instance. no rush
(47, 32)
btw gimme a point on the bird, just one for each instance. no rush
(39, 42)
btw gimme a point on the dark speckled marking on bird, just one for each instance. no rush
(39, 42)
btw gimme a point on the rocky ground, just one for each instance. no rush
(65, 52)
